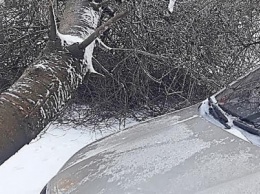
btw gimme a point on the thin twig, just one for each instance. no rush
(132, 50)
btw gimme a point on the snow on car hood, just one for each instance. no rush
(176, 153)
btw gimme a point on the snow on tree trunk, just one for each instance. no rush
(171, 5)
(45, 87)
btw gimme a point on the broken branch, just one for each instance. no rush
(101, 29)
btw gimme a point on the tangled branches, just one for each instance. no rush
(159, 61)
(153, 61)
(24, 28)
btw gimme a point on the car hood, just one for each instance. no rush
(180, 152)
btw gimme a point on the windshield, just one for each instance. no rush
(242, 98)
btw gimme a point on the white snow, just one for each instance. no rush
(40, 65)
(171, 5)
(35, 164)
(67, 39)
(88, 57)
(70, 39)
(103, 44)
(92, 18)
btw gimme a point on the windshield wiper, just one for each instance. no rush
(248, 124)
(217, 114)
(245, 123)
(247, 127)
(250, 119)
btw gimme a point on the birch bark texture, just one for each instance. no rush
(48, 84)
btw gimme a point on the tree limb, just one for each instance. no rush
(77, 50)
(101, 29)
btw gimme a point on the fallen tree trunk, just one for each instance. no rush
(47, 85)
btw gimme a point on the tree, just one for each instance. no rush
(153, 61)
(25, 26)
(48, 84)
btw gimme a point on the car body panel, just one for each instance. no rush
(180, 152)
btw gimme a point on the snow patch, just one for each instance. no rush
(88, 57)
(13, 95)
(36, 163)
(40, 65)
(90, 17)
(67, 39)
(70, 39)
(171, 5)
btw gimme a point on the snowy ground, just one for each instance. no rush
(35, 164)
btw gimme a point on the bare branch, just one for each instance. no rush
(101, 29)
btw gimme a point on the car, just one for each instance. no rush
(211, 147)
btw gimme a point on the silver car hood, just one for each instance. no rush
(176, 153)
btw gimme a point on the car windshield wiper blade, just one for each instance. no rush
(251, 118)
(246, 123)
(228, 111)
(217, 114)
(247, 127)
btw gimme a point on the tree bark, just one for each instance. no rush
(47, 85)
